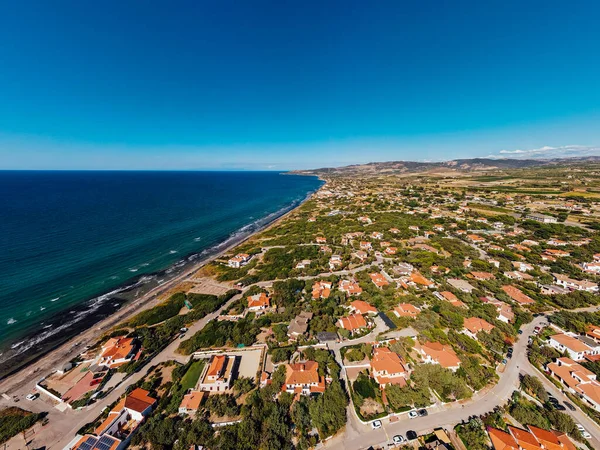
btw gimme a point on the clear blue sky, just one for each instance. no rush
(283, 85)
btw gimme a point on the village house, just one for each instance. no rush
(379, 280)
(403, 269)
(575, 285)
(361, 255)
(321, 289)
(219, 373)
(360, 307)
(591, 267)
(436, 353)
(239, 260)
(461, 285)
(335, 262)
(299, 325)
(115, 432)
(575, 348)
(522, 267)
(390, 250)
(321, 240)
(482, 276)
(550, 289)
(365, 220)
(531, 439)
(519, 276)
(406, 310)
(354, 323)
(475, 238)
(191, 402)
(350, 287)
(505, 312)
(474, 325)
(377, 235)
(366, 245)
(117, 351)
(556, 253)
(517, 295)
(577, 380)
(303, 379)
(325, 249)
(557, 242)
(303, 264)
(451, 298)
(259, 302)
(388, 368)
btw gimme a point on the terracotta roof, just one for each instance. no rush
(406, 310)
(350, 287)
(139, 400)
(378, 279)
(475, 325)
(453, 299)
(444, 355)
(321, 289)
(385, 360)
(192, 400)
(306, 373)
(259, 301)
(570, 342)
(524, 438)
(353, 322)
(547, 438)
(363, 307)
(501, 440)
(417, 278)
(517, 295)
(216, 365)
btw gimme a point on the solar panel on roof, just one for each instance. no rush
(88, 444)
(105, 443)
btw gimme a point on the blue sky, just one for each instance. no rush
(284, 85)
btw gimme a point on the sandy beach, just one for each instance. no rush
(48, 361)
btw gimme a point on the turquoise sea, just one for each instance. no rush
(71, 241)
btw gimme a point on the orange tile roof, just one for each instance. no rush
(524, 438)
(517, 295)
(321, 289)
(378, 279)
(483, 275)
(363, 307)
(570, 342)
(385, 360)
(351, 287)
(216, 365)
(547, 438)
(306, 373)
(453, 299)
(407, 310)
(501, 440)
(192, 400)
(444, 355)
(417, 278)
(259, 301)
(475, 325)
(353, 322)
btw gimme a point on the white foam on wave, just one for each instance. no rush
(172, 252)
(10, 321)
(42, 308)
(55, 299)
(134, 269)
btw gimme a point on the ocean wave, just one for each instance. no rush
(171, 252)
(10, 321)
(55, 299)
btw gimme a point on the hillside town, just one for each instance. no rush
(433, 311)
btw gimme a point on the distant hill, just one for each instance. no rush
(456, 165)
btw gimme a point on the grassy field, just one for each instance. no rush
(190, 378)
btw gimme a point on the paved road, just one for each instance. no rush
(359, 435)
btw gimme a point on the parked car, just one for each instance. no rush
(412, 414)
(423, 412)
(504, 361)
(411, 435)
(398, 439)
(376, 424)
(568, 405)
(32, 397)
(520, 332)
(583, 431)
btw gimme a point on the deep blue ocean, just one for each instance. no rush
(67, 238)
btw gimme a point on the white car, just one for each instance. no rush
(398, 439)
(376, 424)
(412, 414)
(32, 397)
(584, 433)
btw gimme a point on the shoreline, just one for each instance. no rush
(89, 329)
